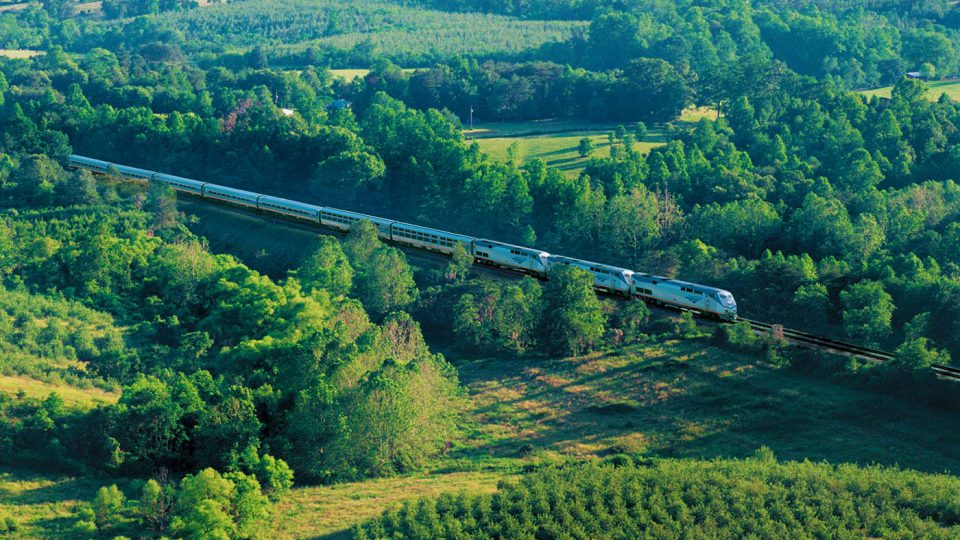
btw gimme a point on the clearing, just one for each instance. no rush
(73, 396)
(934, 90)
(19, 53)
(556, 142)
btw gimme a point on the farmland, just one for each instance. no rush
(399, 32)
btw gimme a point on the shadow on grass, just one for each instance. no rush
(713, 404)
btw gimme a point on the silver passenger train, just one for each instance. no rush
(650, 288)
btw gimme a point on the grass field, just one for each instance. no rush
(44, 506)
(349, 74)
(19, 53)
(556, 142)
(72, 396)
(330, 511)
(688, 399)
(935, 90)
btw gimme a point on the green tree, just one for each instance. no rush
(327, 268)
(573, 319)
(156, 506)
(398, 417)
(385, 282)
(585, 148)
(360, 244)
(917, 354)
(640, 130)
(460, 264)
(107, 506)
(867, 311)
(211, 505)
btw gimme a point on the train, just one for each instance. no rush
(657, 290)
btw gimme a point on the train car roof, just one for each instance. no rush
(647, 278)
(180, 179)
(589, 263)
(122, 168)
(290, 203)
(430, 230)
(368, 217)
(234, 191)
(75, 157)
(504, 244)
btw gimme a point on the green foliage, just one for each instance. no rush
(107, 506)
(404, 32)
(742, 336)
(155, 509)
(572, 320)
(488, 318)
(631, 319)
(386, 282)
(916, 354)
(867, 311)
(687, 498)
(586, 147)
(461, 261)
(326, 268)
(211, 505)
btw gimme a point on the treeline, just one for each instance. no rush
(637, 498)
(646, 89)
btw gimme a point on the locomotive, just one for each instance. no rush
(652, 289)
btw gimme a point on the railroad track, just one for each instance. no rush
(946, 372)
(802, 339)
(820, 342)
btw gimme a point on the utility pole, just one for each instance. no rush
(471, 118)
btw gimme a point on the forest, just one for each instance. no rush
(820, 208)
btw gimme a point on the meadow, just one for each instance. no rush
(19, 53)
(934, 90)
(556, 141)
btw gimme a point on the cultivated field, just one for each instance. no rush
(935, 90)
(398, 31)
